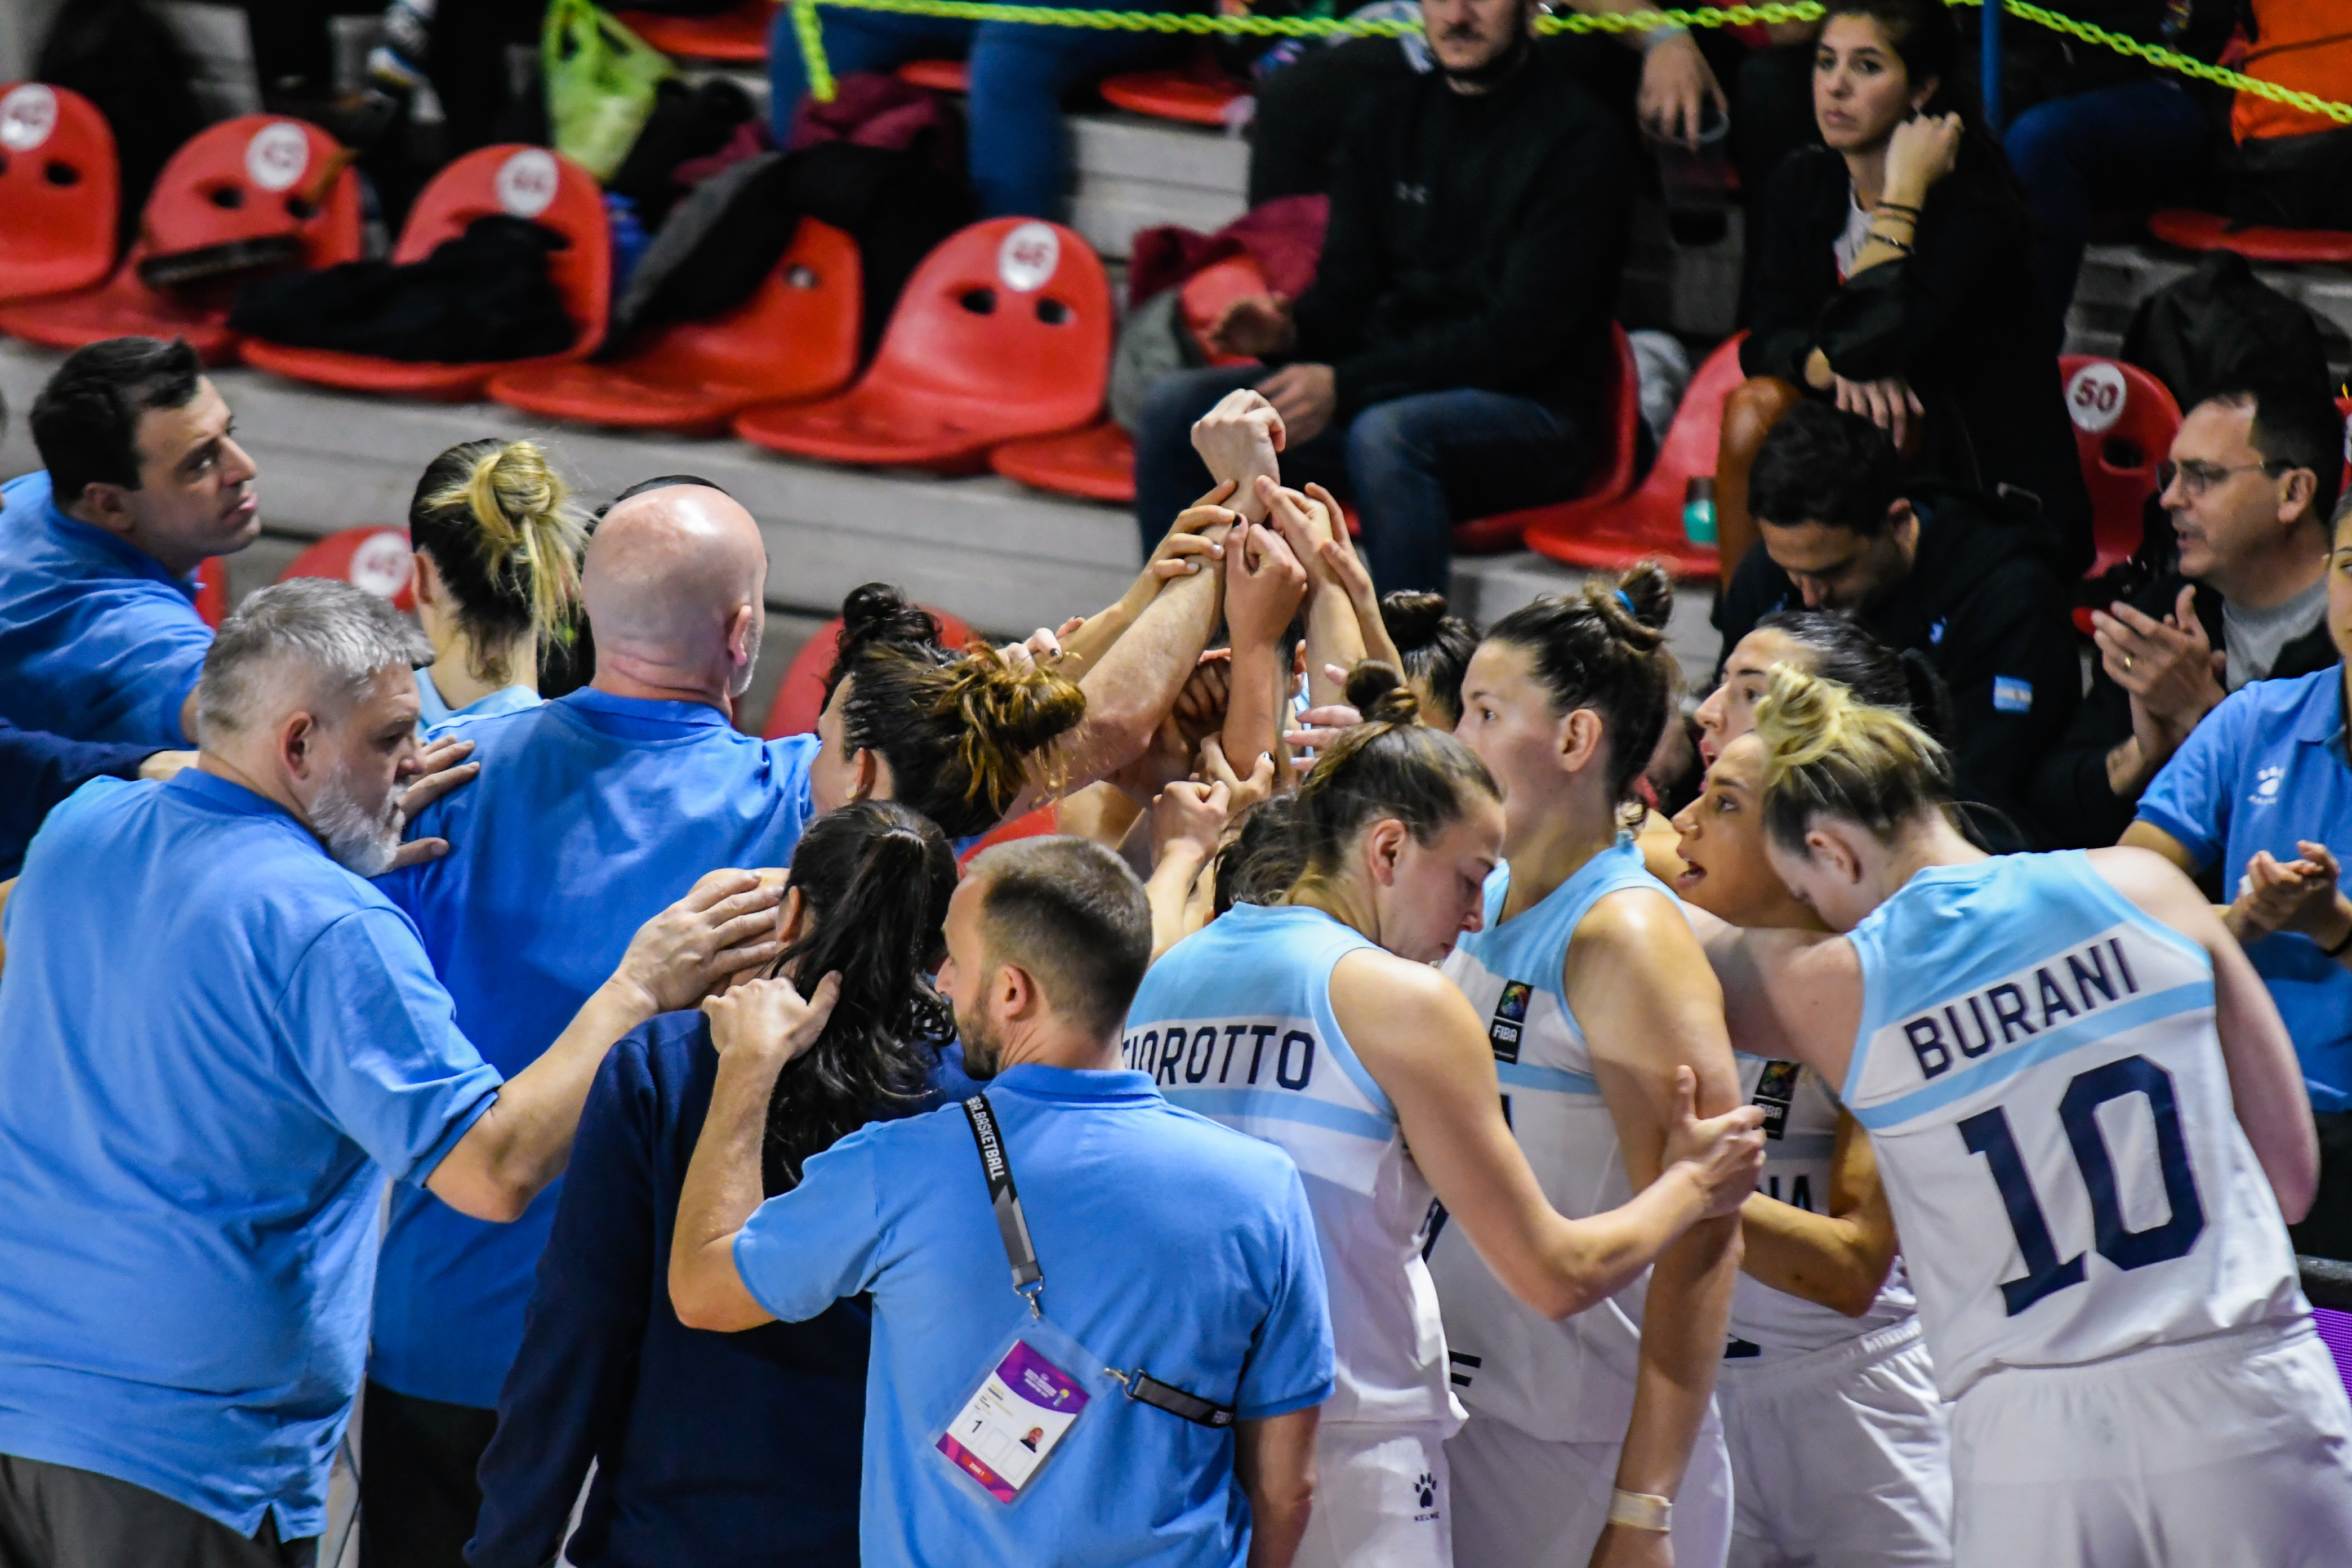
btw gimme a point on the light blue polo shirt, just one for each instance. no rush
(98, 640)
(1168, 1241)
(2266, 768)
(591, 815)
(433, 710)
(213, 1042)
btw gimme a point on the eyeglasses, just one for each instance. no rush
(2197, 477)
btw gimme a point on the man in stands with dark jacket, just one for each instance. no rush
(1446, 363)
(1956, 575)
(2250, 487)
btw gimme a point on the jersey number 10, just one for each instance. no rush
(1988, 1133)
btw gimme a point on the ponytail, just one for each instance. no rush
(875, 880)
(507, 537)
(1828, 755)
(1389, 766)
(1604, 650)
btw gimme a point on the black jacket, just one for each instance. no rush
(1474, 242)
(1958, 321)
(2070, 796)
(1983, 605)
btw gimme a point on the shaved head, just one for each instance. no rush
(675, 583)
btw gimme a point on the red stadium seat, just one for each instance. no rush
(1003, 332)
(1199, 96)
(211, 592)
(255, 177)
(1043, 823)
(1611, 477)
(1098, 463)
(795, 338)
(2124, 420)
(940, 76)
(800, 696)
(738, 36)
(1649, 522)
(374, 557)
(520, 182)
(60, 192)
(2211, 231)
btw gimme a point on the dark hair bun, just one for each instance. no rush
(1414, 619)
(877, 613)
(1377, 692)
(1651, 591)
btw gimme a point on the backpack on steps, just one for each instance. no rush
(2221, 327)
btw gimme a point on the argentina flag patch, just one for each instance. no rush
(2010, 694)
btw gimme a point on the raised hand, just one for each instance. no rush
(724, 925)
(441, 767)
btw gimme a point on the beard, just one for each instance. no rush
(983, 1051)
(360, 839)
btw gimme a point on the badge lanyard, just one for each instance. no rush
(1039, 1385)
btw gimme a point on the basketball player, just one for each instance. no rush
(2089, 1121)
(1318, 1025)
(1840, 1449)
(1595, 995)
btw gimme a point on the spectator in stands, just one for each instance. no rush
(190, 1214)
(1885, 277)
(1444, 364)
(592, 813)
(1953, 574)
(720, 1449)
(1157, 1236)
(144, 482)
(498, 540)
(2104, 133)
(2261, 792)
(2251, 481)
(1016, 74)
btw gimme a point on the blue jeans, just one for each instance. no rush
(1018, 73)
(2117, 147)
(1411, 467)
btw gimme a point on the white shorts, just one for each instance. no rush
(1381, 1499)
(1522, 1502)
(1840, 1458)
(2228, 1452)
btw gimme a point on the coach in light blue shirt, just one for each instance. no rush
(144, 482)
(215, 1036)
(592, 813)
(1167, 1245)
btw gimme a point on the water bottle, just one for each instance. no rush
(1698, 510)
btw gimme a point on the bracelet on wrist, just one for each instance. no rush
(1656, 36)
(2342, 942)
(1904, 246)
(1905, 207)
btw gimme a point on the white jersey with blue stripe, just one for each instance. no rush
(2039, 1073)
(1800, 1121)
(1235, 1023)
(1568, 1381)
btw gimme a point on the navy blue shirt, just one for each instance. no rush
(591, 815)
(720, 1450)
(38, 770)
(213, 1042)
(99, 640)
(1168, 1241)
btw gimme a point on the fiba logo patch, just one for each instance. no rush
(1510, 1018)
(1424, 1493)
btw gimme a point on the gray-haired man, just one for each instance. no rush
(215, 1037)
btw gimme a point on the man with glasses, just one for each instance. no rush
(1961, 578)
(2249, 485)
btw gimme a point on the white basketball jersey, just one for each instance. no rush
(1801, 1118)
(1234, 1022)
(2038, 1071)
(1568, 1381)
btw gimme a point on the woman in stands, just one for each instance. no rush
(2090, 1123)
(1318, 1022)
(1596, 997)
(720, 1449)
(1893, 272)
(497, 542)
(1840, 1451)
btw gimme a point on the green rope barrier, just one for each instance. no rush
(820, 73)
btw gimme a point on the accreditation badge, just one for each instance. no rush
(1025, 1406)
